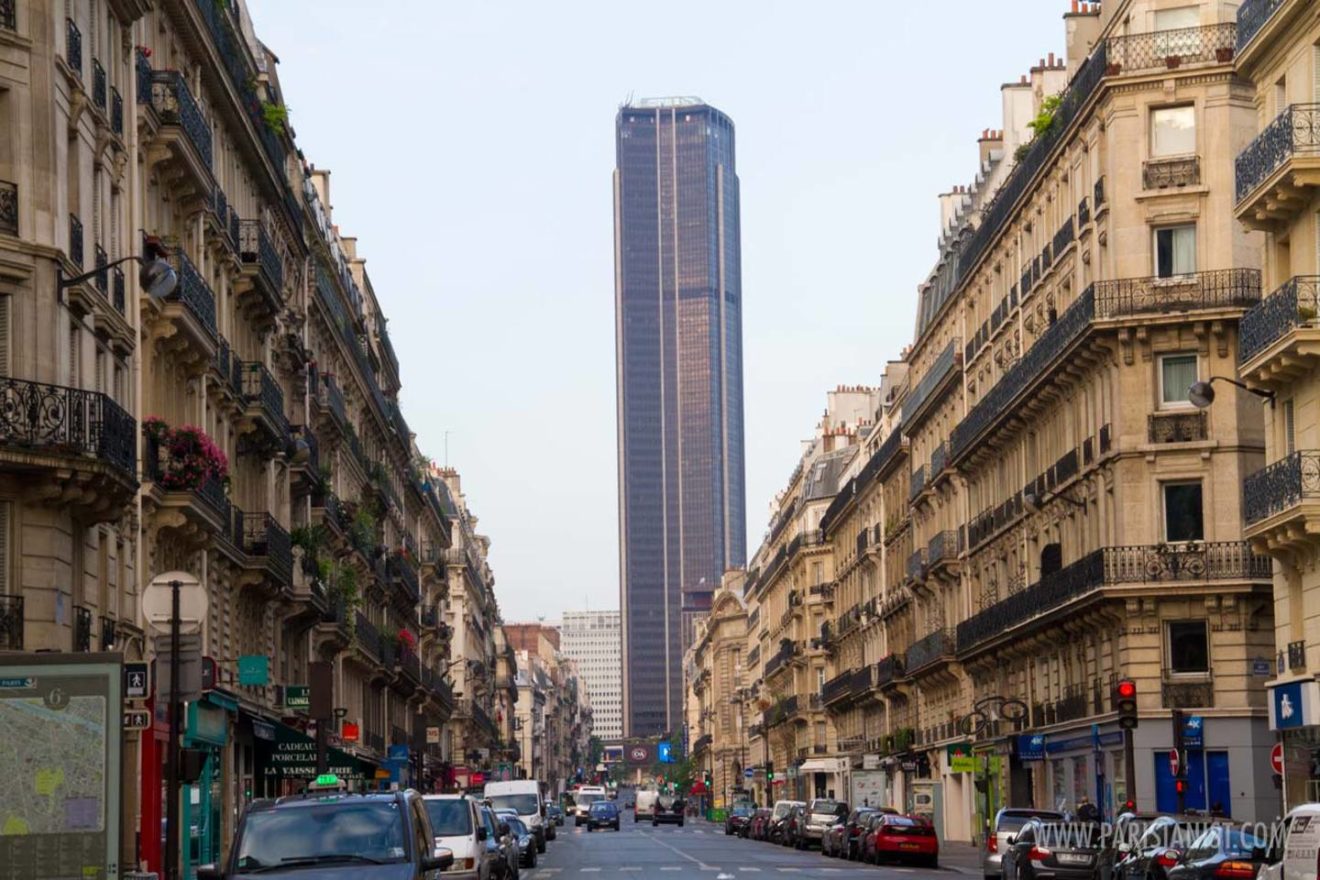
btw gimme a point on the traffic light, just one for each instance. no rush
(1180, 786)
(1125, 701)
(1129, 806)
(769, 771)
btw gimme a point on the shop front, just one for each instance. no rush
(1295, 719)
(285, 761)
(206, 734)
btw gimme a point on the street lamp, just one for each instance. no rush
(985, 712)
(1202, 394)
(157, 277)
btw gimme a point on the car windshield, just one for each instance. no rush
(365, 831)
(825, 806)
(602, 807)
(522, 804)
(1011, 822)
(450, 817)
(516, 825)
(585, 799)
(742, 810)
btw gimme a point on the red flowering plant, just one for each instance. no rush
(407, 638)
(188, 456)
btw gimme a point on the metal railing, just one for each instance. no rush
(334, 400)
(1216, 289)
(75, 240)
(159, 465)
(916, 564)
(227, 363)
(193, 292)
(942, 547)
(945, 363)
(1180, 427)
(8, 207)
(1293, 304)
(1066, 235)
(63, 420)
(927, 650)
(144, 74)
(368, 636)
(11, 623)
(917, 482)
(82, 628)
(116, 111)
(100, 95)
(887, 670)
(1252, 16)
(1170, 49)
(1281, 485)
(1295, 130)
(1083, 212)
(404, 578)
(260, 387)
(73, 46)
(263, 536)
(1164, 173)
(256, 248)
(1187, 694)
(176, 105)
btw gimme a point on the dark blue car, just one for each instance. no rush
(603, 814)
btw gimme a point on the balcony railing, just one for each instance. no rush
(144, 74)
(1083, 212)
(73, 46)
(368, 636)
(1170, 49)
(917, 482)
(1188, 694)
(57, 419)
(263, 536)
(838, 688)
(75, 240)
(939, 460)
(1177, 427)
(334, 400)
(260, 387)
(1294, 304)
(11, 623)
(193, 292)
(159, 464)
(927, 650)
(1252, 16)
(1295, 130)
(116, 112)
(1142, 564)
(1217, 289)
(82, 628)
(176, 105)
(888, 670)
(1281, 485)
(945, 363)
(1164, 173)
(8, 207)
(916, 564)
(256, 248)
(100, 95)
(942, 548)
(404, 578)
(1066, 235)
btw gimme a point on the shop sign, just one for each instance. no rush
(263, 730)
(870, 762)
(297, 696)
(909, 765)
(959, 758)
(1293, 704)
(206, 724)
(1031, 746)
(254, 670)
(292, 754)
(1193, 731)
(350, 732)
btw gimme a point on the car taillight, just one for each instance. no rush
(1236, 870)
(992, 844)
(1039, 854)
(1167, 859)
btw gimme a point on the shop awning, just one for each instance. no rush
(820, 765)
(291, 754)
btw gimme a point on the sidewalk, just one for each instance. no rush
(961, 857)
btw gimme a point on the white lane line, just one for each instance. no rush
(790, 870)
(590, 870)
(747, 869)
(670, 868)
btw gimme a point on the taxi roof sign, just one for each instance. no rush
(327, 780)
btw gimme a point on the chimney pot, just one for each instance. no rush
(1074, 6)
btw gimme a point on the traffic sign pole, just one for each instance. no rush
(172, 769)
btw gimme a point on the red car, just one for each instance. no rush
(901, 837)
(759, 827)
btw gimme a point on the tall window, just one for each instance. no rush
(1183, 519)
(1173, 131)
(1175, 251)
(1177, 373)
(1189, 646)
(1179, 17)
(1289, 428)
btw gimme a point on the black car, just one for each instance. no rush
(1221, 853)
(1161, 846)
(329, 833)
(603, 814)
(554, 813)
(737, 819)
(668, 809)
(526, 839)
(857, 822)
(1053, 850)
(501, 846)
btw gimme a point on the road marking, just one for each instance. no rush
(590, 870)
(670, 868)
(790, 870)
(749, 870)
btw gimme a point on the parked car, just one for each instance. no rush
(1292, 854)
(865, 848)
(759, 827)
(1223, 853)
(1161, 846)
(835, 838)
(820, 814)
(603, 814)
(791, 827)
(1120, 844)
(286, 836)
(774, 834)
(555, 813)
(737, 818)
(501, 845)
(1054, 850)
(852, 830)
(456, 824)
(902, 838)
(1008, 822)
(668, 809)
(526, 839)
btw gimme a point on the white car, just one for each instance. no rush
(456, 824)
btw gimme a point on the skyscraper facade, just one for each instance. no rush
(591, 640)
(678, 329)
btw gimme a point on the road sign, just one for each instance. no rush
(296, 696)
(1276, 759)
(433, 736)
(157, 602)
(190, 668)
(137, 683)
(1174, 763)
(136, 719)
(748, 773)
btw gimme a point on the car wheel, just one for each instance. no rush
(655, 824)
(616, 825)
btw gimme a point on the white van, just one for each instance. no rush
(523, 796)
(582, 797)
(1295, 852)
(456, 824)
(646, 800)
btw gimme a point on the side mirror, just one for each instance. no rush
(209, 872)
(482, 834)
(443, 860)
(1012, 839)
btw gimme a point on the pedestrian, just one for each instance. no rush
(866, 802)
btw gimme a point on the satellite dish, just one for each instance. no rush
(158, 278)
(1201, 394)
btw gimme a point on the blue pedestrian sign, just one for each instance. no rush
(748, 773)
(664, 752)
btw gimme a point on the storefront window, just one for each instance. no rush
(1079, 785)
(1059, 788)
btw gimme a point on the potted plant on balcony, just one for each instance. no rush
(190, 456)
(1224, 54)
(1173, 61)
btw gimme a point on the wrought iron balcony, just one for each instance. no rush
(68, 422)
(144, 74)
(336, 612)
(404, 579)
(1252, 16)
(73, 54)
(408, 663)
(1099, 193)
(1177, 427)
(264, 396)
(1293, 305)
(159, 466)
(368, 636)
(1297, 655)
(194, 296)
(116, 112)
(937, 380)
(1083, 212)
(1291, 140)
(75, 241)
(1171, 49)
(1165, 173)
(262, 262)
(1280, 486)
(838, 688)
(11, 623)
(942, 550)
(888, 670)
(1187, 694)
(916, 565)
(100, 94)
(1217, 289)
(924, 652)
(333, 398)
(917, 482)
(1066, 235)
(264, 537)
(174, 101)
(939, 460)
(82, 628)
(229, 368)
(8, 208)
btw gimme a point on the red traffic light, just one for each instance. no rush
(1129, 806)
(1127, 689)
(1180, 786)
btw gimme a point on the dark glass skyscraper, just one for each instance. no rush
(678, 330)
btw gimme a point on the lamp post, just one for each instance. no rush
(985, 712)
(157, 277)
(1202, 393)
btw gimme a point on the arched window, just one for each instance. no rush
(1051, 559)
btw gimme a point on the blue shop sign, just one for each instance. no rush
(206, 724)
(1193, 731)
(1031, 746)
(1293, 704)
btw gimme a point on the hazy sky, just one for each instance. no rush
(471, 144)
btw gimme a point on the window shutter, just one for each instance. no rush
(1290, 436)
(73, 357)
(4, 335)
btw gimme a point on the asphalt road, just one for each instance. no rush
(697, 850)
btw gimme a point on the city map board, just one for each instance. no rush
(59, 766)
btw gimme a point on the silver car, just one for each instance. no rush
(1008, 822)
(822, 814)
